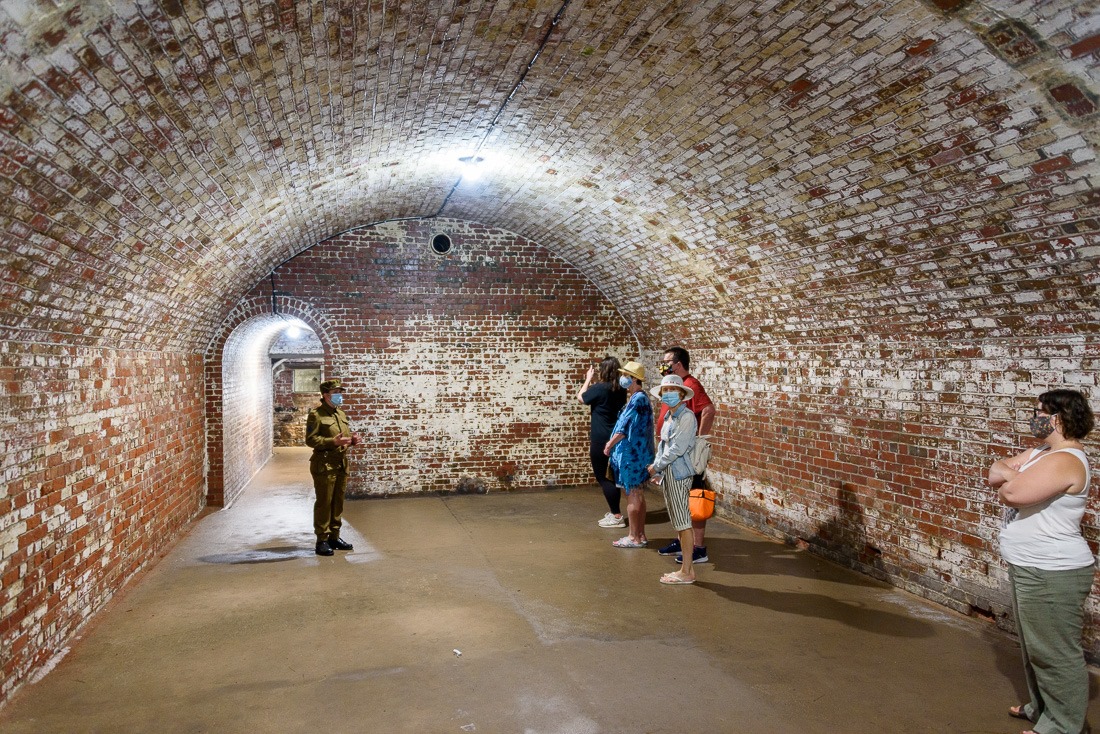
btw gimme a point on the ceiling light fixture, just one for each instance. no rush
(470, 169)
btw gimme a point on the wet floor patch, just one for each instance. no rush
(259, 555)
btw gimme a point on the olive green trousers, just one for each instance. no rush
(328, 506)
(1049, 608)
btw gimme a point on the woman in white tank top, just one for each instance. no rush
(1050, 564)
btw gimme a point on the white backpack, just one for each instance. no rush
(700, 454)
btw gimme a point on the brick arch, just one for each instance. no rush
(449, 348)
(254, 312)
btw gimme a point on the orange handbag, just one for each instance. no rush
(701, 503)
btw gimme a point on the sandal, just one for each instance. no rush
(627, 542)
(675, 579)
(1018, 712)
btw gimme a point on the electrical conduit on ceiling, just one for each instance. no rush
(511, 94)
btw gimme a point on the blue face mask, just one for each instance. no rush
(671, 399)
(625, 382)
(336, 399)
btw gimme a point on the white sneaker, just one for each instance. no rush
(610, 521)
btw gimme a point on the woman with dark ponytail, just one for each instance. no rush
(602, 393)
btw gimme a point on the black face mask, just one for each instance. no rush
(1042, 426)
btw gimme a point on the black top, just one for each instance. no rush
(606, 404)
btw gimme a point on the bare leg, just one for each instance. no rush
(698, 530)
(698, 527)
(635, 513)
(687, 569)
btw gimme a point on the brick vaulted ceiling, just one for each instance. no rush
(794, 170)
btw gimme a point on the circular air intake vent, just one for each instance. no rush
(441, 244)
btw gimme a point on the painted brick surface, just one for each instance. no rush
(875, 455)
(459, 370)
(102, 456)
(836, 189)
(247, 402)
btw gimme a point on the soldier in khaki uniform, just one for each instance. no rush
(328, 434)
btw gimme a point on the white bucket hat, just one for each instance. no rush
(673, 381)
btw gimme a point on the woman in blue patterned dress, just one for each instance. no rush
(631, 452)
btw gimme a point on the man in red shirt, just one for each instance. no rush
(676, 362)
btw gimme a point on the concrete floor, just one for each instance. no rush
(241, 628)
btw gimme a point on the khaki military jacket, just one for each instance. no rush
(323, 424)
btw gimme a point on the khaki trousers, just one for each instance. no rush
(329, 504)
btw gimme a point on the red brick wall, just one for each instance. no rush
(102, 455)
(875, 455)
(460, 369)
(870, 219)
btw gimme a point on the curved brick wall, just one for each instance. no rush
(874, 223)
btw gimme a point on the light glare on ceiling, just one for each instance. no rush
(471, 171)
